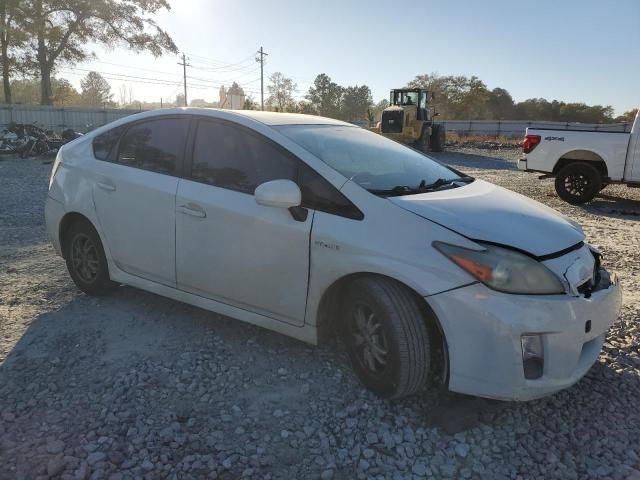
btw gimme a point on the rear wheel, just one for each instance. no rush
(386, 337)
(86, 260)
(578, 182)
(438, 137)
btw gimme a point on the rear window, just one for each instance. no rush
(156, 145)
(103, 144)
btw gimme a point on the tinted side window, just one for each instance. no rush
(318, 194)
(230, 157)
(103, 144)
(156, 145)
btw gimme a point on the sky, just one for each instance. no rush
(570, 50)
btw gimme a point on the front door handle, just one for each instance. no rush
(193, 210)
(108, 186)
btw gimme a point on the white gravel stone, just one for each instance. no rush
(134, 380)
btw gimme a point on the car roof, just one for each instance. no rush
(277, 118)
(266, 118)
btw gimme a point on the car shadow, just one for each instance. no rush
(613, 206)
(138, 352)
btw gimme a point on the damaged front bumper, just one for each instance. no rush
(484, 331)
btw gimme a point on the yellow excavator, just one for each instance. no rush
(408, 119)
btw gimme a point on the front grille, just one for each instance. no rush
(392, 121)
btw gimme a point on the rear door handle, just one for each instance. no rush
(193, 210)
(108, 186)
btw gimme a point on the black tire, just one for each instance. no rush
(86, 261)
(438, 137)
(578, 182)
(384, 317)
(424, 142)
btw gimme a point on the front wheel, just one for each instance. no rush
(438, 137)
(424, 142)
(386, 337)
(578, 182)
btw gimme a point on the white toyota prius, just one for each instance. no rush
(310, 226)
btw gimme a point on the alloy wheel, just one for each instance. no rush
(576, 184)
(371, 345)
(84, 258)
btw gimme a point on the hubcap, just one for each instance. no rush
(369, 339)
(84, 258)
(576, 184)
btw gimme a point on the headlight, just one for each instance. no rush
(503, 269)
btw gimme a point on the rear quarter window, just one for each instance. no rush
(104, 143)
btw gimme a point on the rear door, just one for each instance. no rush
(134, 194)
(229, 248)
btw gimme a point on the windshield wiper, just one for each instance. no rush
(441, 182)
(400, 190)
(396, 191)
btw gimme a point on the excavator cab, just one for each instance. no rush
(408, 98)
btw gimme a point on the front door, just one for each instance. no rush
(229, 248)
(134, 194)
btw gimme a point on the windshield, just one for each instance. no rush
(372, 161)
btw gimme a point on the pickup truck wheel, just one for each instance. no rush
(578, 183)
(386, 337)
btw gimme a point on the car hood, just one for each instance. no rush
(483, 211)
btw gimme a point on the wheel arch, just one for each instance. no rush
(589, 156)
(66, 221)
(328, 313)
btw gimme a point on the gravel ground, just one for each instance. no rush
(138, 386)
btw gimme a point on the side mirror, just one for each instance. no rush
(279, 194)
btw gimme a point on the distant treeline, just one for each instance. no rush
(464, 98)
(455, 98)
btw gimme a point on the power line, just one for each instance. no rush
(242, 68)
(156, 81)
(144, 80)
(219, 63)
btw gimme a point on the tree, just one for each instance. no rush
(306, 108)
(627, 117)
(13, 38)
(96, 91)
(250, 104)
(324, 96)
(62, 29)
(64, 93)
(501, 104)
(377, 109)
(281, 91)
(356, 101)
(25, 91)
(455, 96)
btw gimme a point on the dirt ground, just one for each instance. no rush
(134, 385)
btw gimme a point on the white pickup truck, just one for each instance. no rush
(583, 162)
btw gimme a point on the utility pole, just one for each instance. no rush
(260, 59)
(184, 76)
